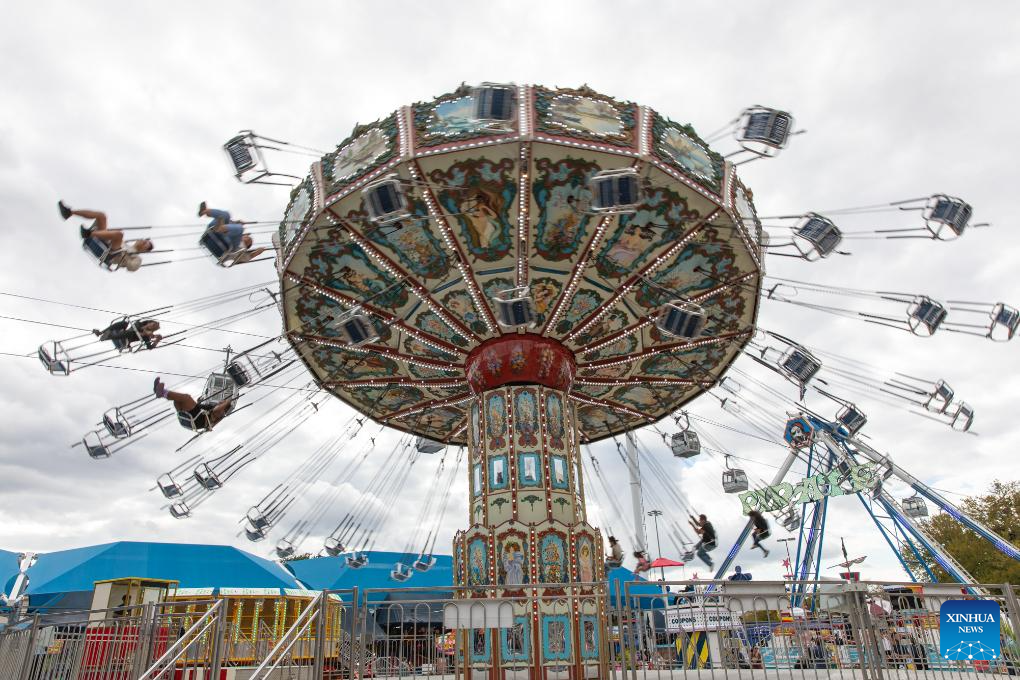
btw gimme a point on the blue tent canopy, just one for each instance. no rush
(194, 566)
(332, 573)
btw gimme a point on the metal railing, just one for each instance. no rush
(803, 630)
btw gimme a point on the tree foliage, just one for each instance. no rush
(999, 510)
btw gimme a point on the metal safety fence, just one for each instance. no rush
(625, 631)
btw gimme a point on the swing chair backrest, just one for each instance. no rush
(333, 547)
(217, 245)
(219, 386)
(615, 191)
(54, 359)
(357, 560)
(401, 572)
(493, 103)
(168, 487)
(514, 308)
(180, 510)
(116, 424)
(95, 447)
(101, 252)
(424, 563)
(284, 549)
(681, 319)
(765, 126)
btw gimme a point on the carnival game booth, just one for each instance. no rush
(258, 618)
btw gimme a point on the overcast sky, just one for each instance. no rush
(123, 107)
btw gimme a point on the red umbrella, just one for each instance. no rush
(665, 562)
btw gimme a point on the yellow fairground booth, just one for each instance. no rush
(259, 617)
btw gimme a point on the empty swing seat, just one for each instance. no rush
(1005, 321)
(514, 308)
(426, 445)
(424, 562)
(924, 316)
(851, 418)
(239, 151)
(357, 560)
(257, 518)
(401, 572)
(940, 397)
(915, 507)
(790, 520)
(254, 535)
(947, 212)
(206, 477)
(821, 235)
(615, 191)
(180, 510)
(799, 364)
(963, 417)
(51, 360)
(385, 201)
(238, 374)
(680, 319)
(766, 126)
(333, 547)
(356, 328)
(493, 102)
(116, 424)
(284, 549)
(168, 487)
(734, 481)
(95, 447)
(685, 444)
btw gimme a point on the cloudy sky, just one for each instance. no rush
(123, 107)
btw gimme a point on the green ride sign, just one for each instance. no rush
(836, 482)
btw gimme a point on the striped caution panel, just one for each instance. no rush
(695, 651)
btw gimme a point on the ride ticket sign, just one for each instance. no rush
(969, 630)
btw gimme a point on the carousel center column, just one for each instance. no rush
(528, 533)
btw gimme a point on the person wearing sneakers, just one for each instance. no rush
(124, 256)
(203, 416)
(233, 230)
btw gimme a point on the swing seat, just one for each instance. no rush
(51, 362)
(205, 476)
(238, 374)
(101, 252)
(424, 563)
(253, 535)
(180, 510)
(401, 572)
(168, 487)
(284, 549)
(116, 424)
(98, 451)
(333, 547)
(217, 245)
(357, 560)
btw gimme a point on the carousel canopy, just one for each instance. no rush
(408, 247)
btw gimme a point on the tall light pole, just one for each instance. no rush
(789, 559)
(655, 514)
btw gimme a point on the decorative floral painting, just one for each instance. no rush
(526, 412)
(480, 195)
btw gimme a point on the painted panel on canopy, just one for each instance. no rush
(592, 391)
(440, 422)
(609, 323)
(298, 212)
(347, 269)
(627, 344)
(561, 201)
(663, 216)
(699, 267)
(386, 398)
(429, 322)
(544, 290)
(690, 363)
(457, 301)
(681, 147)
(418, 348)
(339, 364)
(647, 399)
(436, 392)
(414, 243)
(611, 371)
(582, 304)
(448, 118)
(367, 147)
(585, 114)
(478, 192)
(427, 372)
(314, 311)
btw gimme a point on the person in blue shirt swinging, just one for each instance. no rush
(233, 231)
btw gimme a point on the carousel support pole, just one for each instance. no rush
(635, 493)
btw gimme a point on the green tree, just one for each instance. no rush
(999, 510)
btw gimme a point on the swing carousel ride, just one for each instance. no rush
(521, 272)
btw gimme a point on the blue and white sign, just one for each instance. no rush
(969, 630)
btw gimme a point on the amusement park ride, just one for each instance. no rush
(525, 271)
